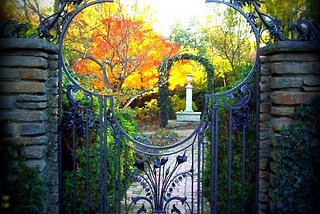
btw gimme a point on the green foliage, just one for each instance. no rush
(223, 161)
(312, 13)
(125, 118)
(81, 181)
(296, 181)
(190, 38)
(149, 112)
(179, 104)
(22, 189)
(228, 43)
(94, 170)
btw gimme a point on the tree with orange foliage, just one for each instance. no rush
(122, 52)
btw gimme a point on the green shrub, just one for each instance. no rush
(179, 104)
(223, 161)
(22, 190)
(149, 113)
(94, 170)
(77, 117)
(296, 180)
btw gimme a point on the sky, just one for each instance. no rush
(167, 12)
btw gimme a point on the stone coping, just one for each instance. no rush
(291, 46)
(28, 43)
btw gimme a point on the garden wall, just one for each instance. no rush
(28, 107)
(290, 76)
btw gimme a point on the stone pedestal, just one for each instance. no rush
(188, 114)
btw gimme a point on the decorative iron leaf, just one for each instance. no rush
(175, 209)
(164, 160)
(139, 165)
(182, 158)
(157, 163)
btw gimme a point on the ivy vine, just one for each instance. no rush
(165, 106)
(296, 180)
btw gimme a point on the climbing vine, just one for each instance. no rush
(165, 106)
(296, 180)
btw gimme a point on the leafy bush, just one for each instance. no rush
(149, 113)
(22, 189)
(73, 116)
(296, 180)
(94, 171)
(179, 104)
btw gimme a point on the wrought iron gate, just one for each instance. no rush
(171, 178)
(179, 178)
(99, 159)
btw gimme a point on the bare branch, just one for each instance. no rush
(138, 94)
(101, 64)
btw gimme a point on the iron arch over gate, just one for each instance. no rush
(171, 178)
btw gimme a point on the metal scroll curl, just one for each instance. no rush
(79, 113)
(242, 115)
(306, 31)
(303, 29)
(85, 102)
(142, 209)
(236, 101)
(48, 29)
(12, 29)
(174, 209)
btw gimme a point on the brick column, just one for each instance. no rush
(28, 105)
(290, 76)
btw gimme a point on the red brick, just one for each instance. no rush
(22, 87)
(33, 74)
(290, 98)
(282, 111)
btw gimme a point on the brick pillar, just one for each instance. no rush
(28, 105)
(290, 76)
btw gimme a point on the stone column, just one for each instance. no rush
(189, 88)
(188, 115)
(290, 76)
(28, 105)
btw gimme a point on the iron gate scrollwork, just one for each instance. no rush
(171, 178)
